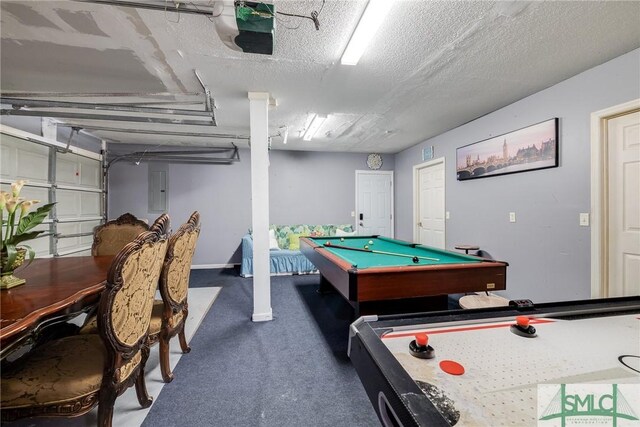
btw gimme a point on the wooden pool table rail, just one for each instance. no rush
(406, 281)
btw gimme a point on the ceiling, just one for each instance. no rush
(432, 66)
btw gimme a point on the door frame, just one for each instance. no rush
(600, 194)
(393, 215)
(416, 205)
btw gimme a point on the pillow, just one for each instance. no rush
(342, 233)
(273, 243)
(294, 242)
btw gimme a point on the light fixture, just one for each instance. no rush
(369, 22)
(284, 133)
(316, 122)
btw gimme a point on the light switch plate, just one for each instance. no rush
(447, 215)
(512, 217)
(584, 219)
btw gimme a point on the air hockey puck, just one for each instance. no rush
(452, 367)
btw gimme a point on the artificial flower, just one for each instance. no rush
(14, 231)
(16, 187)
(26, 205)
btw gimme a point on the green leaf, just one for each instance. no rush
(31, 252)
(18, 238)
(11, 254)
(33, 219)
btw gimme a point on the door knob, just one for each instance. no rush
(361, 224)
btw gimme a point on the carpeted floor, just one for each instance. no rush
(292, 371)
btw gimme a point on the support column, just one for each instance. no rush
(49, 128)
(259, 121)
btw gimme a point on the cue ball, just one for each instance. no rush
(416, 259)
(371, 242)
(366, 247)
(342, 239)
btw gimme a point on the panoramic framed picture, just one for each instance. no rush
(531, 148)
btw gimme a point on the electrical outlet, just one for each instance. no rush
(512, 217)
(353, 214)
(584, 219)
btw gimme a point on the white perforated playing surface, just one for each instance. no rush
(502, 370)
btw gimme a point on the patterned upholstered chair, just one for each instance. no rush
(170, 314)
(112, 236)
(69, 376)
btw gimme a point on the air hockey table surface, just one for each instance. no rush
(505, 375)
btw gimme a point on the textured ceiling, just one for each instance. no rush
(432, 66)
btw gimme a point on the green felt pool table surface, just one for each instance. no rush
(426, 255)
(391, 281)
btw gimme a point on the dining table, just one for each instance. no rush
(56, 290)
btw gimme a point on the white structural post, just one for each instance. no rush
(49, 128)
(259, 122)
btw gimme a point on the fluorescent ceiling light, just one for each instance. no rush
(284, 133)
(316, 122)
(371, 19)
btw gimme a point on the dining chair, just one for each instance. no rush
(169, 315)
(69, 376)
(113, 235)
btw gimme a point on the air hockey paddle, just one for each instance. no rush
(522, 328)
(420, 347)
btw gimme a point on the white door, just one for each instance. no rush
(429, 203)
(374, 203)
(623, 137)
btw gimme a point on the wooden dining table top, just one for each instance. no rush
(55, 287)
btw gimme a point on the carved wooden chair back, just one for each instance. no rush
(110, 237)
(170, 314)
(69, 376)
(125, 309)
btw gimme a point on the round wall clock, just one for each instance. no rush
(374, 161)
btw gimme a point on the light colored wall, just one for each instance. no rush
(305, 187)
(548, 252)
(315, 188)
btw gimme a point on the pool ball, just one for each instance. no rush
(371, 242)
(342, 239)
(416, 259)
(366, 247)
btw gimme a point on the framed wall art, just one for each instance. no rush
(531, 148)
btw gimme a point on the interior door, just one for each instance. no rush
(430, 203)
(623, 137)
(374, 203)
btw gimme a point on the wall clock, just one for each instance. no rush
(374, 161)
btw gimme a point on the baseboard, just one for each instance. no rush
(297, 273)
(207, 266)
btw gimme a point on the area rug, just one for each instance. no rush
(127, 410)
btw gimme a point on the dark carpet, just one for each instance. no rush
(292, 371)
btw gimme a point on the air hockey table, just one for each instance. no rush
(506, 373)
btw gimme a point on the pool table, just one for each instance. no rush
(392, 275)
(579, 349)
